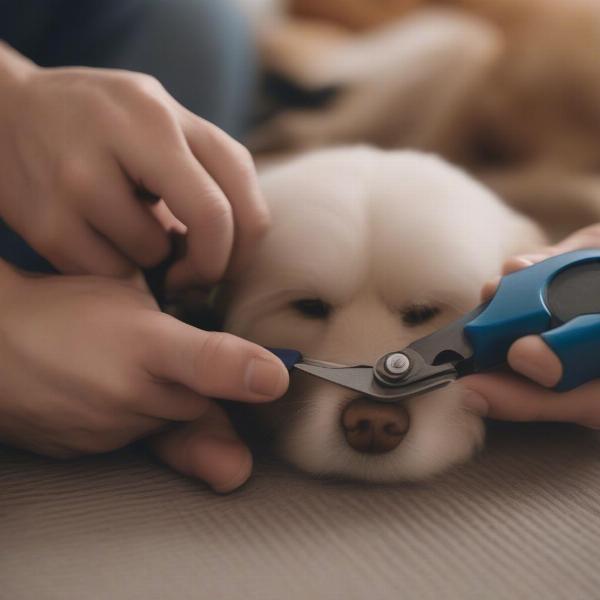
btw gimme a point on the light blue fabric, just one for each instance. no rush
(201, 50)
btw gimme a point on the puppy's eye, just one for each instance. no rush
(419, 313)
(313, 308)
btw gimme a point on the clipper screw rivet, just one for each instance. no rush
(397, 364)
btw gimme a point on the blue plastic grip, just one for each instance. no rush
(577, 345)
(519, 308)
(289, 358)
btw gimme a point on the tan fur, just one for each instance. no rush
(508, 88)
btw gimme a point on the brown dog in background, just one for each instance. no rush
(510, 89)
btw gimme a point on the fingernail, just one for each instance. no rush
(530, 259)
(526, 261)
(263, 377)
(476, 403)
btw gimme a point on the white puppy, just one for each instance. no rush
(368, 251)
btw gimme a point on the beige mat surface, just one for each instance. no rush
(522, 521)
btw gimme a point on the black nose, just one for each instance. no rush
(373, 427)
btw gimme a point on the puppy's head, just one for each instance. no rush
(368, 251)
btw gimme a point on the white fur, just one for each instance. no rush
(370, 232)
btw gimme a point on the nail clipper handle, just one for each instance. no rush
(577, 345)
(558, 298)
(290, 358)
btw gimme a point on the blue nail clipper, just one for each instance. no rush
(558, 298)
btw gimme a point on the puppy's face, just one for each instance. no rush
(369, 251)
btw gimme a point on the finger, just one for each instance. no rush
(231, 166)
(512, 398)
(531, 356)
(168, 169)
(167, 219)
(588, 237)
(213, 364)
(208, 449)
(512, 265)
(516, 263)
(76, 249)
(126, 220)
(489, 288)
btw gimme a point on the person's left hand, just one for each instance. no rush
(513, 398)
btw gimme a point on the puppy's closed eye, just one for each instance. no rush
(416, 314)
(313, 308)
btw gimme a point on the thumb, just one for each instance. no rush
(508, 397)
(531, 356)
(213, 364)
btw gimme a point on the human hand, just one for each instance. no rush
(511, 398)
(89, 364)
(86, 153)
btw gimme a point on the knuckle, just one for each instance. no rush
(237, 152)
(241, 159)
(217, 212)
(213, 135)
(158, 111)
(147, 83)
(244, 159)
(147, 96)
(139, 84)
(74, 175)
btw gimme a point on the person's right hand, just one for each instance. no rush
(90, 364)
(85, 156)
(512, 398)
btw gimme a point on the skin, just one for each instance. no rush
(88, 362)
(514, 398)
